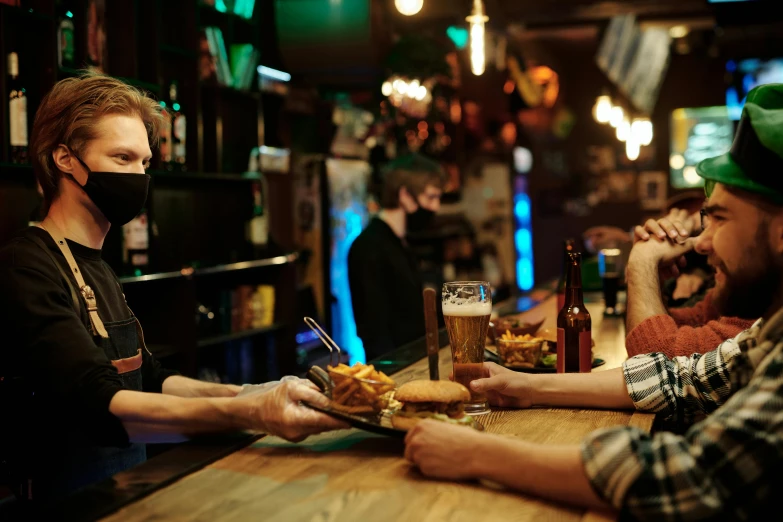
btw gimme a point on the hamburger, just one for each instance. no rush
(437, 400)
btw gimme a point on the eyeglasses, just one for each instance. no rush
(705, 219)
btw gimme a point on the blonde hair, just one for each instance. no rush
(68, 115)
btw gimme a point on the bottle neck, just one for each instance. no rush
(574, 295)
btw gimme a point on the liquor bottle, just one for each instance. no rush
(568, 246)
(574, 350)
(166, 156)
(136, 244)
(66, 47)
(17, 112)
(178, 129)
(258, 226)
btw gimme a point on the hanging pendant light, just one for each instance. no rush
(477, 52)
(408, 7)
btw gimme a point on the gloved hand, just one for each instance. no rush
(276, 410)
(247, 389)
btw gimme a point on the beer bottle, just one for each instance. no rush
(561, 285)
(574, 353)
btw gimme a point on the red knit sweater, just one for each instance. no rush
(684, 331)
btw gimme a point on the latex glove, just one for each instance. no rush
(247, 389)
(278, 411)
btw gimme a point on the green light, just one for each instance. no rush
(69, 14)
(458, 35)
(175, 106)
(137, 272)
(220, 5)
(163, 104)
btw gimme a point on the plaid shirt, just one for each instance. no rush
(728, 464)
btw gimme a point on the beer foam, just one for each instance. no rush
(466, 309)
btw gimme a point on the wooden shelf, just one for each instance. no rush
(219, 269)
(234, 336)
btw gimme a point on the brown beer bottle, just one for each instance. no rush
(574, 353)
(568, 246)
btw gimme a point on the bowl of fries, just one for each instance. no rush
(359, 389)
(521, 351)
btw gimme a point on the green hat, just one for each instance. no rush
(755, 161)
(413, 162)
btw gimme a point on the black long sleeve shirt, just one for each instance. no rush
(386, 290)
(46, 343)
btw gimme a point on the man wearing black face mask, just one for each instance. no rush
(386, 289)
(79, 391)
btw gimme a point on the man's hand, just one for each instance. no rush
(504, 388)
(664, 255)
(688, 284)
(677, 225)
(431, 445)
(278, 412)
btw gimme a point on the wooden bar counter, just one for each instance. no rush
(354, 475)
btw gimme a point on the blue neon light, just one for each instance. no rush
(523, 239)
(347, 225)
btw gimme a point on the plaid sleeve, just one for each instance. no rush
(682, 387)
(725, 467)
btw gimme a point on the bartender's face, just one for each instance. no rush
(121, 145)
(430, 198)
(743, 244)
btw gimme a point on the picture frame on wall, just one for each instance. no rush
(653, 187)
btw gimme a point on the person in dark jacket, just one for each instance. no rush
(386, 287)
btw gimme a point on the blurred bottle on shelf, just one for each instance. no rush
(17, 111)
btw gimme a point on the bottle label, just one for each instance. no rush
(136, 233)
(18, 121)
(180, 128)
(165, 137)
(574, 351)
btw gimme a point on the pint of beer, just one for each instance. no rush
(466, 310)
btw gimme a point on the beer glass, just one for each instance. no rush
(610, 268)
(467, 306)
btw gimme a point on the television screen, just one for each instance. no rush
(746, 74)
(696, 134)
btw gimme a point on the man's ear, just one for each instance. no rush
(407, 202)
(63, 159)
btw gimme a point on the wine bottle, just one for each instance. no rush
(17, 112)
(258, 226)
(178, 129)
(136, 244)
(66, 47)
(574, 336)
(165, 147)
(568, 246)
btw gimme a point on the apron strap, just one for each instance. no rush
(87, 293)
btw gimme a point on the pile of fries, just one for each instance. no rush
(360, 388)
(520, 350)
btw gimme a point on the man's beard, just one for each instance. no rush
(749, 295)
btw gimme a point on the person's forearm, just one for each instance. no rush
(185, 387)
(581, 390)
(155, 417)
(553, 472)
(643, 294)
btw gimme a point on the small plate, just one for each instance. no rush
(379, 423)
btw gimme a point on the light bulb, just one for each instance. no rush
(676, 161)
(616, 116)
(421, 93)
(690, 175)
(624, 130)
(642, 128)
(386, 88)
(477, 20)
(632, 148)
(408, 7)
(602, 110)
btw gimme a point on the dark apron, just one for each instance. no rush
(77, 465)
(89, 464)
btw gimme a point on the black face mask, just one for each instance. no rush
(120, 196)
(419, 219)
